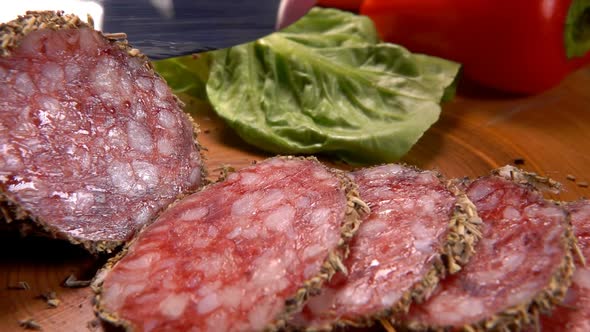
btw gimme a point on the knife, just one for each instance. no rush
(168, 28)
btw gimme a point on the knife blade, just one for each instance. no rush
(168, 28)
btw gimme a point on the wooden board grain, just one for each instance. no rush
(479, 130)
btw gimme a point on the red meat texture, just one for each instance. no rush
(227, 258)
(521, 248)
(396, 246)
(93, 142)
(574, 313)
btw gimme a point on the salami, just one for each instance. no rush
(240, 255)
(94, 143)
(418, 230)
(522, 264)
(574, 313)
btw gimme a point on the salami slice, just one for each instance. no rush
(573, 314)
(241, 255)
(93, 142)
(416, 229)
(522, 264)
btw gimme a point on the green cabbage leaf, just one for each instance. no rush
(326, 85)
(187, 74)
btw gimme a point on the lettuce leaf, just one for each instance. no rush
(327, 85)
(186, 74)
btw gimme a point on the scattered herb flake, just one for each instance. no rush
(224, 171)
(519, 161)
(93, 325)
(53, 303)
(583, 184)
(23, 285)
(29, 324)
(51, 299)
(570, 177)
(73, 282)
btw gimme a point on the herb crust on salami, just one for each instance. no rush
(243, 254)
(420, 228)
(94, 142)
(573, 314)
(522, 265)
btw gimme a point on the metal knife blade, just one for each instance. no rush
(168, 28)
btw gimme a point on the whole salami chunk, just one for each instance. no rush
(94, 144)
(418, 230)
(522, 265)
(573, 314)
(240, 255)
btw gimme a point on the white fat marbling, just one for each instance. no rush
(121, 175)
(208, 303)
(281, 219)
(25, 85)
(174, 305)
(139, 137)
(165, 147)
(582, 277)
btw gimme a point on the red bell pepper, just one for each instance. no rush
(351, 5)
(522, 46)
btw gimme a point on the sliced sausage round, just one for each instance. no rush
(416, 225)
(94, 143)
(522, 264)
(240, 255)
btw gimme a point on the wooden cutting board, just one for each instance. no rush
(478, 131)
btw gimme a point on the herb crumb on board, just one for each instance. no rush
(29, 324)
(93, 325)
(519, 161)
(72, 282)
(50, 297)
(21, 285)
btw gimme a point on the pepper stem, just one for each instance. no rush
(577, 29)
